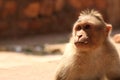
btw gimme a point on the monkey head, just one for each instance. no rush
(90, 31)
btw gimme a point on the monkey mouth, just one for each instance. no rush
(81, 42)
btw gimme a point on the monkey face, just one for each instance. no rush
(81, 37)
(88, 33)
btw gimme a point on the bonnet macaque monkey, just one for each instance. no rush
(90, 54)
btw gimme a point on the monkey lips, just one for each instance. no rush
(81, 41)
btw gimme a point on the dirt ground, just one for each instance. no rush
(16, 66)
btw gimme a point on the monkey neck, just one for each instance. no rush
(89, 53)
(109, 45)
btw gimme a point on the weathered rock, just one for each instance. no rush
(50, 16)
(9, 9)
(59, 4)
(46, 7)
(1, 3)
(113, 11)
(76, 3)
(32, 10)
(101, 4)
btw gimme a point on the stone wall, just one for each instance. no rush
(29, 17)
(113, 12)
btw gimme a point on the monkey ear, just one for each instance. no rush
(108, 28)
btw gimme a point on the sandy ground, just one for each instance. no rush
(16, 66)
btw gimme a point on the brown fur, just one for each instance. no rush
(90, 55)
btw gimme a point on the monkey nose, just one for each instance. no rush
(79, 36)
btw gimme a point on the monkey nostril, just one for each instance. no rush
(79, 36)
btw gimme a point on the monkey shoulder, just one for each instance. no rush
(63, 69)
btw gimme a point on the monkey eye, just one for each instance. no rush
(78, 27)
(87, 26)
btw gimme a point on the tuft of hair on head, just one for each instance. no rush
(93, 13)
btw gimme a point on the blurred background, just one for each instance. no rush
(33, 34)
(31, 25)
